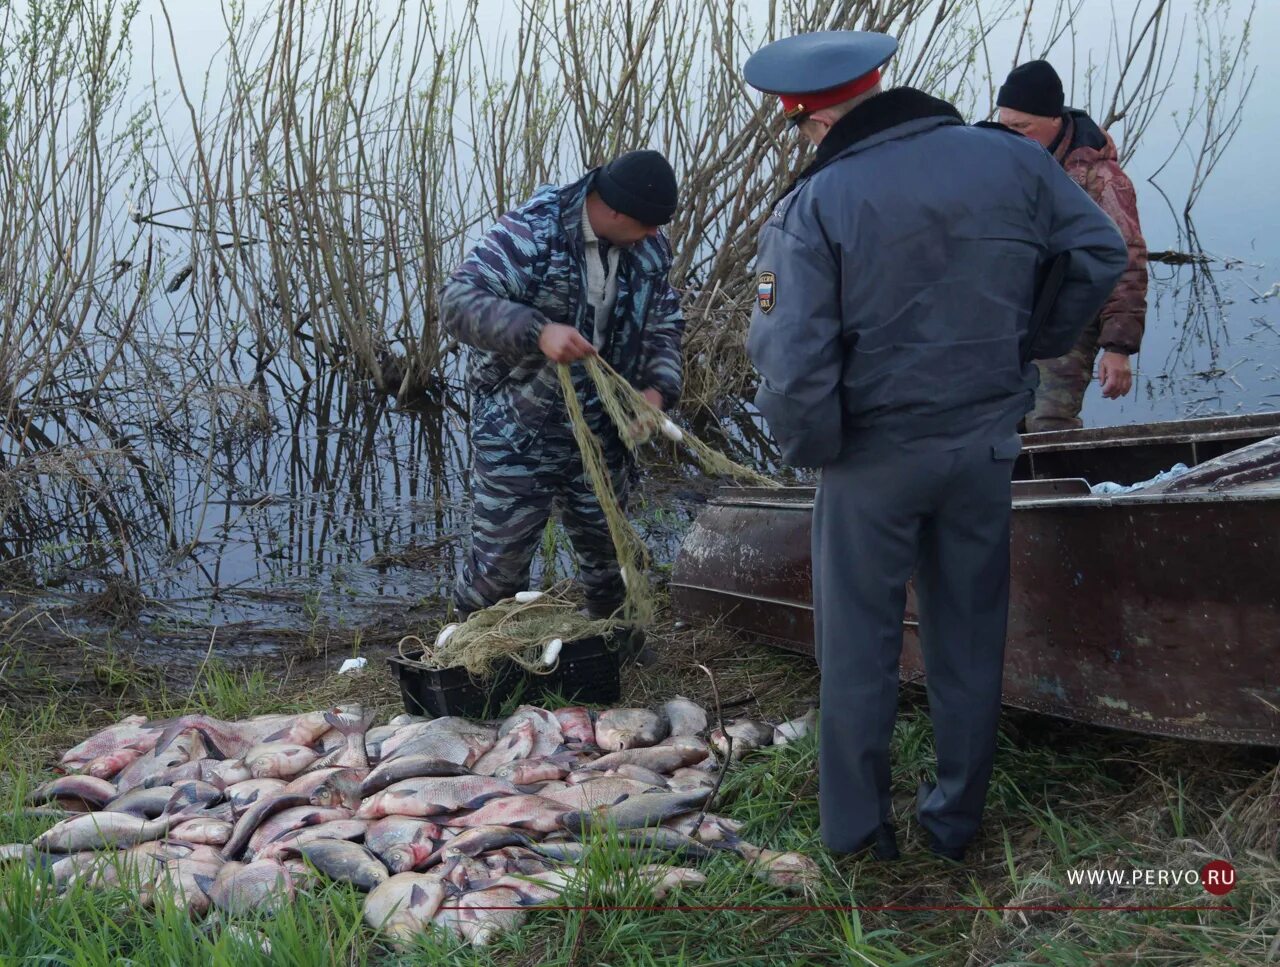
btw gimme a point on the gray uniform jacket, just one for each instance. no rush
(897, 277)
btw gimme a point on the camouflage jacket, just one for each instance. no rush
(528, 270)
(1089, 156)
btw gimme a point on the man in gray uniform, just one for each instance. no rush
(896, 283)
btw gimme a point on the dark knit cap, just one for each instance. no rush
(1033, 88)
(640, 184)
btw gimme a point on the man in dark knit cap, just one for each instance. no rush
(1031, 102)
(578, 270)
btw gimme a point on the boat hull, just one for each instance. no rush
(1156, 614)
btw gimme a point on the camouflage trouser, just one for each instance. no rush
(512, 497)
(1063, 382)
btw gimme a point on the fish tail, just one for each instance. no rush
(348, 724)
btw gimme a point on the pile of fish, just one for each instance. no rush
(446, 823)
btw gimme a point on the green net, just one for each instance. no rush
(523, 628)
(638, 421)
(520, 629)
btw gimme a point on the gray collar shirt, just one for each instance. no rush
(602, 279)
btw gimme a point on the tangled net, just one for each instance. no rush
(524, 628)
(519, 630)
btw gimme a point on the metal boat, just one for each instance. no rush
(1156, 611)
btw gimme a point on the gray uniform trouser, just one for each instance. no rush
(943, 515)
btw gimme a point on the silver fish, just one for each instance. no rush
(351, 754)
(17, 853)
(687, 780)
(604, 791)
(685, 717)
(141, 801)
(663, 879)
(341, 788)
(796, 729)
(406, 719)
(629, 728)
(242, 795)
(516, 860)
(481, 916)
(409, 857)
(641, 774)
(522, 812)
(649, 809)
(524, 772)
(242, 889)
(347, 829)
(176, 884)
(186, 747)
(403, 906)
(409, 767)
(203, 832)
(279, 760)
(516, 744)
(102, 830)
(547, 735)
(480, 839)
(290, 819)
(133, 732)
(111, 764)
(430, 745)
(576, 725)
(716, 831)
(344, 861)
(84, 793)
(791, 871)
(747, 737)
(659, 758)
(394, 830)
(254, 817)
(434, 795)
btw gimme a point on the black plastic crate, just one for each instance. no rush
(453, 691)
(590, 668)
(589, 671)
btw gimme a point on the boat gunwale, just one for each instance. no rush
(1260, 495)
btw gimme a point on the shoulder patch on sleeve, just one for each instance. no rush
(767, 291)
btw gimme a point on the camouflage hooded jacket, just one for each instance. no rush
(528, 270)
(1089, 156)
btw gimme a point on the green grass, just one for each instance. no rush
(1063, 796)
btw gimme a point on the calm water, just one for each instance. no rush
(341, 505)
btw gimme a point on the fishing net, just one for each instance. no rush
(523, 628)
(519, 630)
(638, 421)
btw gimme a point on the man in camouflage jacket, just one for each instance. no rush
(1031, 102)
(580, 269)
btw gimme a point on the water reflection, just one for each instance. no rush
(285, 498)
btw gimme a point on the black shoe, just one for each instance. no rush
(953, 853)
(882, 844)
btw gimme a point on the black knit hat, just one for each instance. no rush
(1033, 88)
(640, 184)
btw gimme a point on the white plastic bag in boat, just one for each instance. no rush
(1109, 489)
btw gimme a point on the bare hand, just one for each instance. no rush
(563, 344)
(653, 396)
(1114, 374)
(642, 429)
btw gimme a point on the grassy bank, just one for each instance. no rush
(1064, 797)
